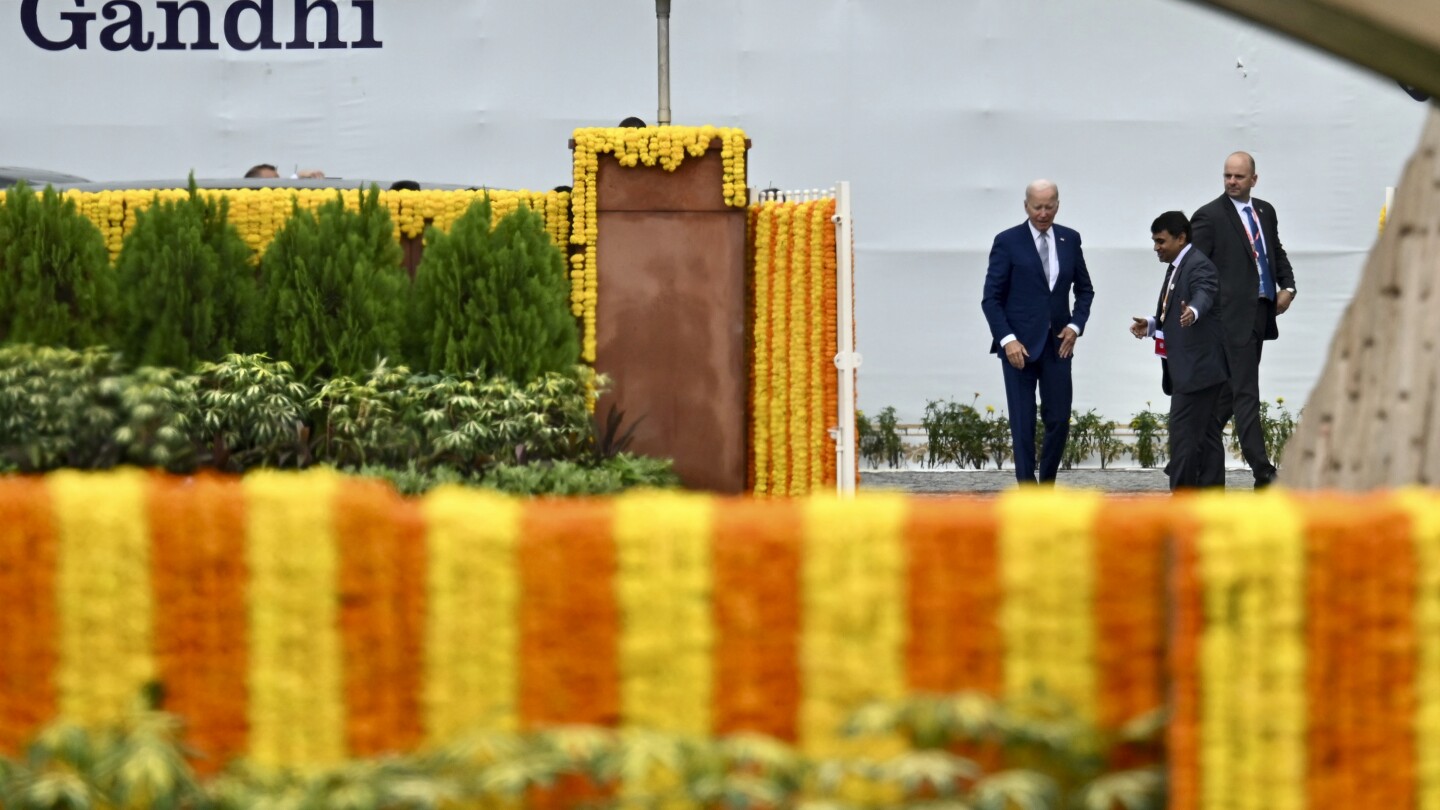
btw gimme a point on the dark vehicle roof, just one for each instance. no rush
(10, 175)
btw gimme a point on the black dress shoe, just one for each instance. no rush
(1265, 479)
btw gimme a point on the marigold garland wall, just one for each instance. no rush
(305, 618)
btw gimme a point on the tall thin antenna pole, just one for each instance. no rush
(662, 16)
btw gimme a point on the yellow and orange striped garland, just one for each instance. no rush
(794, 391)
(302, 618)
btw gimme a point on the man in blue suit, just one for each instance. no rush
(1034, 267)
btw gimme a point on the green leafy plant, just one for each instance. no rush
(998, 442)
(188, 290)
(253, 413)
(58, 408)
(493, 301)
(56, 288)
(1276, 427)
(1149, 448)
(334, 290)
(1108, 446)
(160, 419)
(955, 434)
(880, 441)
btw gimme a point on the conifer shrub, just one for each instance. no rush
(56, 285)
(333, 289)
(494, 301)
(188, 292)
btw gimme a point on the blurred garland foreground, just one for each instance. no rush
(945, 751)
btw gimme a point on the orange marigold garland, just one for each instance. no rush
(1362, 650)
(199, 574)
(28, 632)
(382, 608)
(756, 555)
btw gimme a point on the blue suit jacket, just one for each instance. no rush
(1018, 299)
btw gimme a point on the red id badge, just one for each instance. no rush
(1160, 343)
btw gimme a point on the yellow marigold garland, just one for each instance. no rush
(799, 360)
(1424, 510)
(472, 635)
(1047, 570)
(258, 214)
(665, 584)
(103, 595)
(780, 314)
(760, 381)
(820, 365)
(1252, 656)
(665, 147)
(296, 658)
(853, 614)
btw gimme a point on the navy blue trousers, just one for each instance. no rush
(1051, 375)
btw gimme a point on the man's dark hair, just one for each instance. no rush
(632, 121)
(1174, 223)
(404, 185)
(261, 167)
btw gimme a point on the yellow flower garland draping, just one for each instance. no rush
(665, 586)
(296, 659)
(852, 647)
(794, 391)
(260, 213)
(1424, 510)
(1252, 656)
(472, 638)
(1047, 570)
(665, 147)
(103, 595)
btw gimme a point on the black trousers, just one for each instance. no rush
(1192, 417)
(1241, 400)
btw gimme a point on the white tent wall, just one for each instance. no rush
(939, 112)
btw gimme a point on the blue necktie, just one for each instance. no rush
(1267, 281)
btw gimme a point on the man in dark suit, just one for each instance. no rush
(1190, 343)
(1033, 269)
(1241, 235)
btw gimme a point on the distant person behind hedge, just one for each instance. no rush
(265, 171)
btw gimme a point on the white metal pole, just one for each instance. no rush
(847, 360)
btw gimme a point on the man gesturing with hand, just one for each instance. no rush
(1034, 269)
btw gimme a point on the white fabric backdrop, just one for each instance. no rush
(939, 112)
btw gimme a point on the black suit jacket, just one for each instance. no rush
(1196, 353)
(1216, 230)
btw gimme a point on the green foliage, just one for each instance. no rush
(961, 435)
(160, 418)
(1149, 449)
(64, 408)
(188, 292)
(58, 408)
(56, 286)
(334, 290)
(955, 434)
(1275, 426)
(880, 442)
(493, 301)
(1051, 762)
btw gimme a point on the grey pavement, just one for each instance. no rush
(950, 481)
